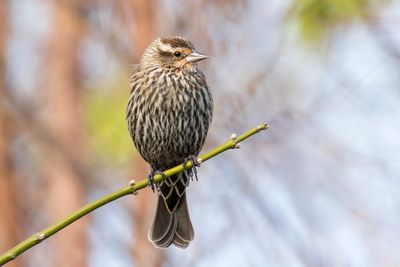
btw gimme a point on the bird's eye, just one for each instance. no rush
(177, 54)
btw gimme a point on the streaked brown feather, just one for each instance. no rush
(169, 112)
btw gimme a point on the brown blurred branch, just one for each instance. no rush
(64, 121)
(9, 223)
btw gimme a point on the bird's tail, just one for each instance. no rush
(171, 228)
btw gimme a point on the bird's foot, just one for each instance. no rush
(195, 164)
(150, 178)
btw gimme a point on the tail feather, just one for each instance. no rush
(163, 224)
(171, 228)
(185, 229)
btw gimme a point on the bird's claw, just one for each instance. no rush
(195, 164)
(150, 178)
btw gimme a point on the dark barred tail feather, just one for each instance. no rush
(171, 228)
(171, 224)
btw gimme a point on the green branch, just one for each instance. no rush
(132, 188)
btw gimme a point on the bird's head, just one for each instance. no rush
(171, 53)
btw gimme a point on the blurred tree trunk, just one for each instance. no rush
(64, 121)
(143, 29)
(142, 32)
(9, 207)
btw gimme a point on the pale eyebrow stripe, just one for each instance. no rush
(166, 47)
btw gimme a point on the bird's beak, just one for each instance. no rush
(195, 57)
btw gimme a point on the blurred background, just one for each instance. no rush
(320, 188)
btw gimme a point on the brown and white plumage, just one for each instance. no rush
(169, 112)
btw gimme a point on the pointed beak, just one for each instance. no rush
(195, 57)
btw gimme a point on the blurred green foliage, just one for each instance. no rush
(105, 120)
(318, 18)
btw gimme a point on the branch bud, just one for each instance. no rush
(132, 183)
(40, 236)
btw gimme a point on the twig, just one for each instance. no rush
(132, 188)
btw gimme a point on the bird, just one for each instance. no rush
(169, 112)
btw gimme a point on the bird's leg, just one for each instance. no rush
(151, 180)
(195, 164)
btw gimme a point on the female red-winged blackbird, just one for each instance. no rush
(169, 112)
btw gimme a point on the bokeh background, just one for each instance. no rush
(320, 188)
